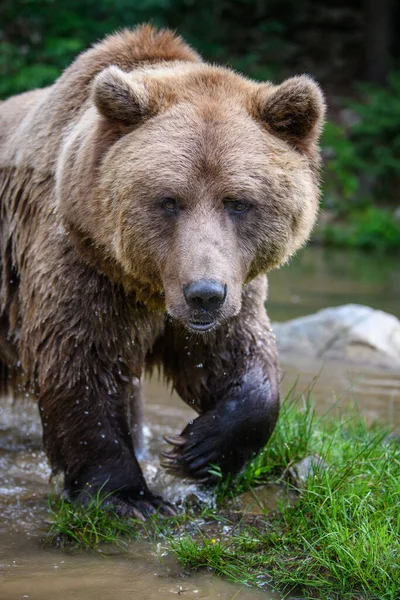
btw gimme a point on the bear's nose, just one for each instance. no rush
(205, 294)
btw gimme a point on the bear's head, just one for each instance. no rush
(190, 180)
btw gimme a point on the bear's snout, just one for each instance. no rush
(204, 297)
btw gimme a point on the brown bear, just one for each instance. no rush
(143, 198)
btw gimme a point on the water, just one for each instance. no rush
(315, 279)
(136, 574)
(321, 277)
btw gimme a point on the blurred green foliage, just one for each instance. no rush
(363, 159)
(362, 174)
(372, 228)
(39, 38)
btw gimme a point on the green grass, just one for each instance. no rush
(87, 527)
(95, 524)
(339, 540)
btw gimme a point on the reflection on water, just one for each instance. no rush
(315, 279)
(376, 393)
(319, 277)
(135, 575)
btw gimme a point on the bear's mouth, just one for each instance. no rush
(201, 325)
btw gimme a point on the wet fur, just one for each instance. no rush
(84, 294)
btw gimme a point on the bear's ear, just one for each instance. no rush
(294, 111)
(119, 98)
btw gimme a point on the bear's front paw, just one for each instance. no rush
(127, 504)
(202, 444)
(126, 498)
(228, 435)
(139, 508)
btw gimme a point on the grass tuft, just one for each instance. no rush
(88, 526)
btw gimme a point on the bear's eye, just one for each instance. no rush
(170, 204)
(236, 207)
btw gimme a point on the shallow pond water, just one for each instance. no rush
(143, 571)
(317, 278)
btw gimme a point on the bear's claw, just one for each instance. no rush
(141, 509)
(170, 462)
(192, 457)
(175, 441)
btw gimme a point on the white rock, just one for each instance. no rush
(351, 332)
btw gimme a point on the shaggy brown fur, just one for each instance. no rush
(140, 174)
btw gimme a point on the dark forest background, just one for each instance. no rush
(351, 47)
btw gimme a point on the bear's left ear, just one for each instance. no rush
(119, 98)
(294, 111)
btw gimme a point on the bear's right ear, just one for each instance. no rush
(119, 98)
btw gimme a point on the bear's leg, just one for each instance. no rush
(87, 435)
(81, 337)
(231, 378)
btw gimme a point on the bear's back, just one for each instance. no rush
(12, 114)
